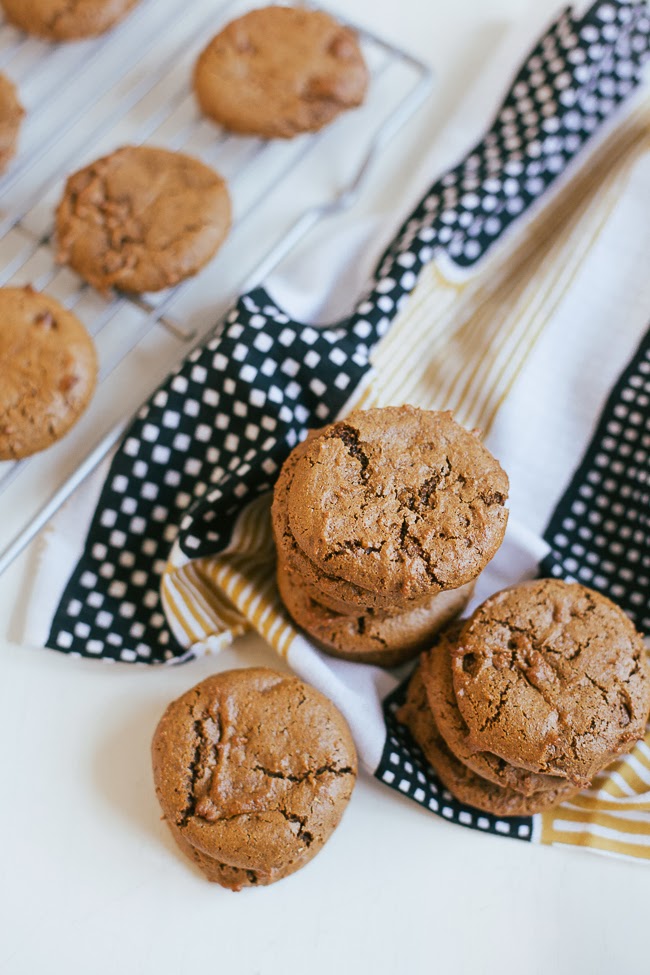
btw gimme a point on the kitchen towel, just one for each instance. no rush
(516, 294)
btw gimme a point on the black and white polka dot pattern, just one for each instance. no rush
(600, 531)
(403, 767)
(573, 81)
(214, 435)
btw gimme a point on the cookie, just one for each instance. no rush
(279, 71)
(553, 677)
(335, 594)
(61, 20)
(48, 369)
(141, 219)
(464, 784)
(398, 500)
(435, 668)
(253, 770)
(371, 638)
(11, 116)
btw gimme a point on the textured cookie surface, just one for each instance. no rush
(142, 219)
(553, 677)
(279, 71)
(464, 784)
(371, 638)
(399, 500)
(253, 770)
(63, 20)
(336, 594)
(11, 115)
(435, 668)
(48, 371)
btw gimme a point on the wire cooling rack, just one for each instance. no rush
(129, 87)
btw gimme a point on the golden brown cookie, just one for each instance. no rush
(464, 784)
(553, 677)
(142, 219)
(48, 371)
(253, 770)
(63, 20)
(11, 116)
(371, 638)
(279, 71)
(435, 669)
(398, 500)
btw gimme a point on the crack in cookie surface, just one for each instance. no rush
(253, 770)
(553, 677)
(397, 500)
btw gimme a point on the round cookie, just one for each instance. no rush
(435, 668)
(253, 770)
(11, 116)
(368, 638)
(61, 20)
(553, 677)
(464, 784)
(48, 371)
(399, 500)
(141, 219)
(279, 71)
(335, 594)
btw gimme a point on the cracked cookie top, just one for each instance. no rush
(254, 767)
(141, 219)
(332, 592)
(466, 785)
(66, 20)
(552, 676)
(436, 671)
(279, 71)
(48, 371)
(11, 116)
(398, 500)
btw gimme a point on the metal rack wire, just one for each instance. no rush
(116, 91)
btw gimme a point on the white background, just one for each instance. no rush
(89, 880)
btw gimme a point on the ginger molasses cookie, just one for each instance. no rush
(61, 20)
(142, 219)
(464, 784)
(11, 116)
(435, 668)
(253, 770)
(48, 371)
(279, 71)
(372, 638)
(553, 677)
(335, 594)
(398, 500)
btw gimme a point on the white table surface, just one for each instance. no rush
(90, 882)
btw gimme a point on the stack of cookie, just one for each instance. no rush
(382, 524)
(520, 706)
